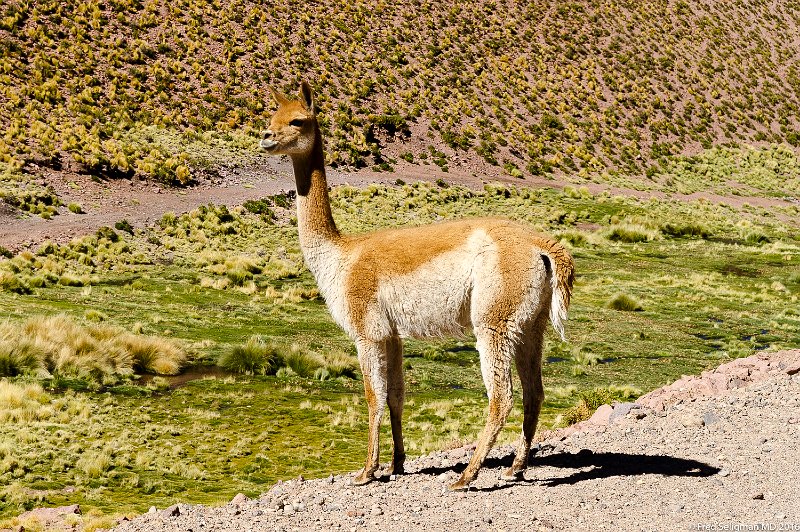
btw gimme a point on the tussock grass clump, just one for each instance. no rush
(686, 230)
(263, 356)
(302, 363)
(28, 402)
(756, 238)
(258, 356)
(630, 233)
(56, 345)
(9, 282)
(574, 238)
(591, 400)
(94, 463)
(625, 303)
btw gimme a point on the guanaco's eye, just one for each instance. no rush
(297, 122)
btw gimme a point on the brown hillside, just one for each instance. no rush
(534, 87)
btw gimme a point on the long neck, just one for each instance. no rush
(315, 223)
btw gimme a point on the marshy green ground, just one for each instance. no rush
(664, 288)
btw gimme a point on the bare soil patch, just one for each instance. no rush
(141, 203)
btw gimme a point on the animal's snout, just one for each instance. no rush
(267, 142)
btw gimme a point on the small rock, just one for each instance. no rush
(240, 498)
(710, 417)
(689, 421)
(376, 510)
(288, 510)
(724, 472)
(172, 511)
(780, 516)
(152, 510)
(487, 520)
(442, 477)
(758, 496)
(392, 477)
(623, 409)
(355, 513)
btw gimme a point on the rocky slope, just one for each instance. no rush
(716, 449)
(122, 86)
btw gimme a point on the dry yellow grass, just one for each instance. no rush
(57, 345)
(28, 402)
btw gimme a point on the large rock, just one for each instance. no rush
(734, 374)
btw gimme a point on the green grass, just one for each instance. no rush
(708, 296)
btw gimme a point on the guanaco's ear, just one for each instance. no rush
(305, 96)
(280, 98)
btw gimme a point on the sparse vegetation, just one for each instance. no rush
(707, 298)
(624, 302)
(58, 347)
(139, 90)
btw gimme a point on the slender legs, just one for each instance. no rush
(382, 367)
(529, 368)
(396, 397)
(496, 351)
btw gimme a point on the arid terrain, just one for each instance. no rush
(163, 345)
(716, 450)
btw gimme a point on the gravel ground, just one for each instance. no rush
(718, 461)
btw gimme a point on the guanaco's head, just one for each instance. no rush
(293, 126)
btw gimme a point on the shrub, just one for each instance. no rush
(11, 283)
(624, 302)
(75, 208)
(591, 400)
(689, 229)
(629, 233)
(257, 356)
(59, 346)
(123, 225)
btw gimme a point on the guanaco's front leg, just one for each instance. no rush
(372, 357)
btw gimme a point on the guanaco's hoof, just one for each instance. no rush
(362, 479)
(396, 470)
(459, 485)
(511, 475)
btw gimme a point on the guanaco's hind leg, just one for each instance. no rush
(396, 397)
(496, 350)
(372, 356)
(528, 358)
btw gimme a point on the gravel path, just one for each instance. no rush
(727, 456)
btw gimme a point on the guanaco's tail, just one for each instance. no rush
(562, 275)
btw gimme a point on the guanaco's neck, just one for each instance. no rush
(315, 223)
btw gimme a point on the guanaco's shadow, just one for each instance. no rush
(603, 465)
